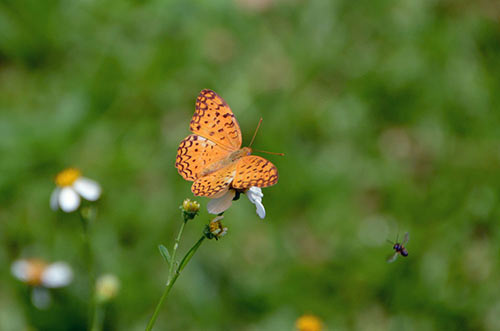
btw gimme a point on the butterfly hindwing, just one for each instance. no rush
(216, 183)
(214, 120)
(254, 170)
(195, 153)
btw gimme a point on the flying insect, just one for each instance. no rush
(399, 248)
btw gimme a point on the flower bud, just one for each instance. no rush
(215, 229)
(107, 287)
(189, 209)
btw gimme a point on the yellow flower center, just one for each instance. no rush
(190, 206)
(216, 227)
(67, 177)
(308, 323)
(35, 271)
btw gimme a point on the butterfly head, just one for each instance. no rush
(236, 155)
(246, 151)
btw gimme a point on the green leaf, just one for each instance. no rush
(164, 252)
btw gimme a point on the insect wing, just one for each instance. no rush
(406, 239)
(214, 185)
(253, 170)
(392, 257)
(195, 153)
(214, 120)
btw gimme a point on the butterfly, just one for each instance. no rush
(212, 157)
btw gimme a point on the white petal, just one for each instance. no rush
(87, 188)
(54, 197)
(20, 270)
(219, 205)
(68, 200)
(40, 297)
(57, 274)
(261, 211)
(255, 195)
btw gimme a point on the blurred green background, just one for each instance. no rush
(388, 113)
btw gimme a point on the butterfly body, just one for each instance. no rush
(230, 159)
(212, 156)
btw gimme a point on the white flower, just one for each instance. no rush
(255, 196)
(40, 297)
(221, 204)
(42, 276)
(36, 272)
(107, 287)
(71, 185)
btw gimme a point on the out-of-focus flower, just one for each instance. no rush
(36, 272)
(42, 275)
(308, 323)
(71, 185)
(190, 209)
(221, 204)
(107, 287)
(215, 229)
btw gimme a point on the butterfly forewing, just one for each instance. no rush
(215, 184)
(214, 120)
(254, 170)
(195, 153)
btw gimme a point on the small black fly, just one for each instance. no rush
(399, 248)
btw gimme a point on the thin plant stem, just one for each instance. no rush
(98, 317)
(174, 251)
(172, 278)
(89, 262)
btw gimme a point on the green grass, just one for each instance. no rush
(387, 111)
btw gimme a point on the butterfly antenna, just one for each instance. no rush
(273, 153)
(255, 133)
(253, 138)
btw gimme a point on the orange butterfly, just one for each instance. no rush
(212, 156)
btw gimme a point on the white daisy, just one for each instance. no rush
(221, 204)
(36, 272)
(71, 185)
(42, 276)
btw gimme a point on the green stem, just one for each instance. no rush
(174, 251)
(89, 261)
(99, 317)
(172, 279)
